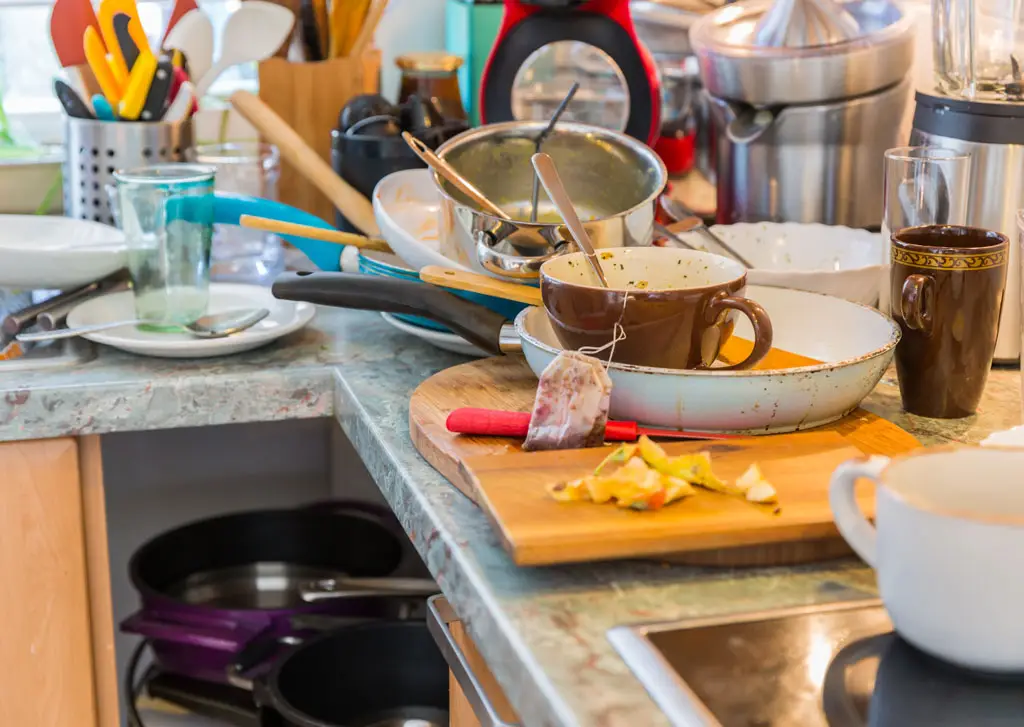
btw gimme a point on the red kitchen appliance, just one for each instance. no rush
(543, 46)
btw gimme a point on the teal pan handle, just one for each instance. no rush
(227, 209)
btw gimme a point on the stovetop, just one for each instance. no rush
(826, 666)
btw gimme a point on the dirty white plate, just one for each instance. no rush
(285, 317)
(41, 252)
(855, 344)
(829, 259)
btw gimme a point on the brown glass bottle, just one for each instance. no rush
(433, 76)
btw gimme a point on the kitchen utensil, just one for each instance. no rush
(179, 10)
(55, 253)
(354, 206)
(445, 340)
(182, 104)
(933, 549)
(537, 36)
(464, 280)
(202, 603)
(496, 159)
(368, 28)
(835, 260)
(169, 239)
(668, 310)
(155, 105)
(449, 174)
(515, 424)
(313, 36)
(677, 209)
(662, 231)
(341, 238)
(107, 10)
(253, 32)
(96, 55)
(535, 195)
(104, 111)
(69, 20)
(939, 273)
(193, 36)
(128, 31)
(73, 104)
(137, 90)
(326, 681)
(548, 175)
(214, 325)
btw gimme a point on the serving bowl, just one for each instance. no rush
(855, 344)
(831, 259)
(38, 252)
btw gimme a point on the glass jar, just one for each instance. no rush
(166, 213)
(431, 75)
(979, 48)
(252, 169)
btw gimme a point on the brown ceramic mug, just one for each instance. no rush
(681, 306)
(947, 286)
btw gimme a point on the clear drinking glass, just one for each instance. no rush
(924, 185)
(166, 212)
(979, 48)
(252, 169)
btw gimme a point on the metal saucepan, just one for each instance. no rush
(613, 179)
(854, 344)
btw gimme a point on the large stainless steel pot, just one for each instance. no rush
(613, 180)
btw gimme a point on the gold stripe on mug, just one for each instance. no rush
(956, 261)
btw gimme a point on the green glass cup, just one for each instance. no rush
(166, 213)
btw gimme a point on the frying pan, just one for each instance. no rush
(853, 343)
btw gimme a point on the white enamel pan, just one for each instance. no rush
(855, 344)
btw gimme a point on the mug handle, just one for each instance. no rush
(853, 526)
(916, 302)
(760, 321)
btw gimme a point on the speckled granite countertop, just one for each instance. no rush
(541, 630)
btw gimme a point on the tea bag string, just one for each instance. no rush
(618, 334)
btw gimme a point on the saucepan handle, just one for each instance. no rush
(760, 321)
(477, 324)
(194, 632)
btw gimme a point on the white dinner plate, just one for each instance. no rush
(285, 317)
(41, 252)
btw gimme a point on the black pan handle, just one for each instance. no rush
(477, 324)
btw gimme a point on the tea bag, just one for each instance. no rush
(571, 408)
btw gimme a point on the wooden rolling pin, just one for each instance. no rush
(356, 208)
(733, 350)
(314, 233)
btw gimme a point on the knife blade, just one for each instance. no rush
(496, 423)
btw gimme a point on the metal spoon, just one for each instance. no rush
(680, 211)
(544, 165)
(216, 325)
(447, 171)
(541, 137)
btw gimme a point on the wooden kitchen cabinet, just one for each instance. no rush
(57, 665)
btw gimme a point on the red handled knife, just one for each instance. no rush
(495, 423)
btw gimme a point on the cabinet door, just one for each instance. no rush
(46, 674)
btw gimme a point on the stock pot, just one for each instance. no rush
(613, 180)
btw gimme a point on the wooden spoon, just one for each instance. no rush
(477, 283)
(314, 233)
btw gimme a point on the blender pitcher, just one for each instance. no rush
(979, 48)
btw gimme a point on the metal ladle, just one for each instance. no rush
(544, 165)
(447, 171)
(541, 137)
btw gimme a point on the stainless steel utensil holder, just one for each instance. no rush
(96, 149)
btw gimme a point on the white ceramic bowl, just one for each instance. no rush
(406, 207)
(830, 259)
(854, 342)
(38, 252)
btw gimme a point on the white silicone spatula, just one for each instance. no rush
(254, 32)
(193, 36)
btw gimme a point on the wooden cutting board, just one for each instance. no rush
(509, 484)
